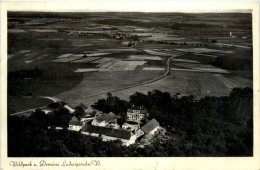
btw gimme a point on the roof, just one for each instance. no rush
(74, 118)
(75, 123)
(106, 117)
(132, 123)
(142, 111)
(117, 133)
(151, 125)
(147, 137)
(84, 107)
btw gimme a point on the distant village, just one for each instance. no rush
(137, 129)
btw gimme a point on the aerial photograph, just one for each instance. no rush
(129, 84)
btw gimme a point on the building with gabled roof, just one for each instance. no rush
(83, 106)
(104, 120)
(150, 127)
(108, 134)
(75, 124)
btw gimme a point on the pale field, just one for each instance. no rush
(29, 61)
(211, 70)
(126, 65)
(83, 45)
(200, 67)
(64, 55)
(96, 54)
(108, 64)
(238, 46)
(82, 70)
(153, 52)
(184, 60)
(117, 50)
(16, 31)
(201, 70)
(154, 68)
(207, 55)
(43, 30)
(24, 51)
(203, 50)
(9, 56)
(78, 55)
(50, 39)
(186, 69)
(143, 57)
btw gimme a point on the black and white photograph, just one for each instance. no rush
(130, 84)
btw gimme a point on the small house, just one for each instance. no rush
(75, 124)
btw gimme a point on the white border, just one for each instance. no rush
(127, 6)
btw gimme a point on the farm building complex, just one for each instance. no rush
(105, 126)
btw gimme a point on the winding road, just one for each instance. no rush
(167, 70)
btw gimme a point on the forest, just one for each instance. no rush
(210, 126)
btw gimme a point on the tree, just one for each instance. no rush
(40, 118)
(79, 112)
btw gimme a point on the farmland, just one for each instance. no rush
(94, 54)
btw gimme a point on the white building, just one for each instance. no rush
(137, 114)
(104, 120)
(108, 134)
(75, 124)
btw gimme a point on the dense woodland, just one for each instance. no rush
(211, 126)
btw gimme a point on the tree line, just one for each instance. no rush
(210, 126)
